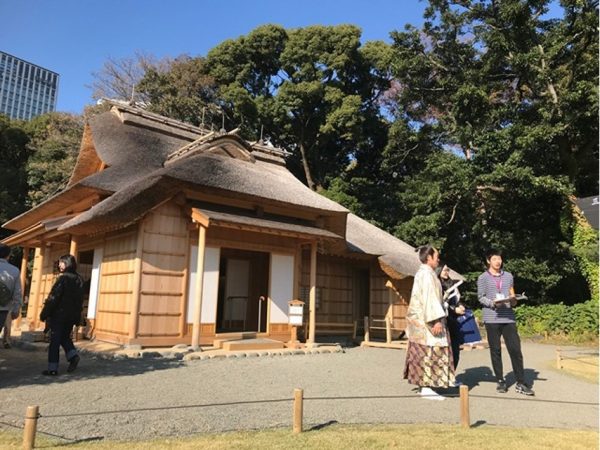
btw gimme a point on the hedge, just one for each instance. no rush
(577, 322)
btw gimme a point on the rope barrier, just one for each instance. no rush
(32, 414)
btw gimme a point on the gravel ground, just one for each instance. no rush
(150, 397)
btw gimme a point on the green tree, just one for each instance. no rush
(181, 89)
(501, 104)
(313, 89)
(14, 153)
(54, 145)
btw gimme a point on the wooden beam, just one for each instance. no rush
(199, 285)
(313, 293)
(200, 218)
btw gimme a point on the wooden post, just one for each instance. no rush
(33, 310)
(24, 260)
(31, 417)
(199, 286)
(558, 359)
(367, 329)
(137, 283)
(313, 294)
(354, 330)
(74, 247)
(388, 329)
(298, 410)
(465, 420)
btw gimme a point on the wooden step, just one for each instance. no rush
(252, 344)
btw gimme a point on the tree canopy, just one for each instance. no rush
(476, 129)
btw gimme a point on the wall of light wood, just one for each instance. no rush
(382, 297)
(48, 276)
(115, 293)
(336, 292)
(164, 274)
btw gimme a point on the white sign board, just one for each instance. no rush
(296, 310)
(295, 320)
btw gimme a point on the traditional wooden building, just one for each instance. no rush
(188, 235)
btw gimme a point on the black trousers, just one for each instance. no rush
(60, 336)
(513, 344)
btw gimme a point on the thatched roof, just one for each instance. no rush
(147, 159)
(396, 258)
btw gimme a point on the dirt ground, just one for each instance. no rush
(122, 398)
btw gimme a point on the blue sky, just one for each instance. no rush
(75, 37)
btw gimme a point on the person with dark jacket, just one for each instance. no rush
(455, 309)
(61, 311)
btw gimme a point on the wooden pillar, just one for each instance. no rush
(34, 300)
(199, 286)
(74, 247)
(313, 293)
(23, 280)
(134, 315)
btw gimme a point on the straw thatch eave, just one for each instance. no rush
(73, 199)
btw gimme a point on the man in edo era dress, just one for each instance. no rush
(429, 355)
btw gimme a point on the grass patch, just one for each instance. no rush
(349, 437)
(585, 367)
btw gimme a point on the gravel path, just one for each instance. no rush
(161, 396)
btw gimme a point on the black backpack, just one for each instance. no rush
(6, 295)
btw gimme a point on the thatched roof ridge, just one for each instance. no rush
(259, 179)
(131, 114)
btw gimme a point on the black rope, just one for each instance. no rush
(249, 402)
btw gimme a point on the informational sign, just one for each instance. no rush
(296, 312)
(296, 320)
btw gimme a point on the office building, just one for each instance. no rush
(26, 90)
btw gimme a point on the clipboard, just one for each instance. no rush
(511, 298)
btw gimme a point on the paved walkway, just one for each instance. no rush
(150, 396)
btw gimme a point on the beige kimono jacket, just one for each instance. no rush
(426, 305)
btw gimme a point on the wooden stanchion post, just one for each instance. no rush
(388, 329)
(558, 358)
(465, 419)
(298, 410)
(366, 329)
(31, 417)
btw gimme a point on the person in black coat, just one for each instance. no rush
(455, 309)
(61, 311)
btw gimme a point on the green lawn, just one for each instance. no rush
(349, 437)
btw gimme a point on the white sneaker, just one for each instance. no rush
(430, 394)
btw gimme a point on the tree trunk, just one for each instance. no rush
(309, 180)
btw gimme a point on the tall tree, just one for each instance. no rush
(14, 153)
(53, 148)
(313, 89)
(511, 97)
(182, 90)
(118, 77)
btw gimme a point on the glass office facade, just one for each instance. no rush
(26, 90)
